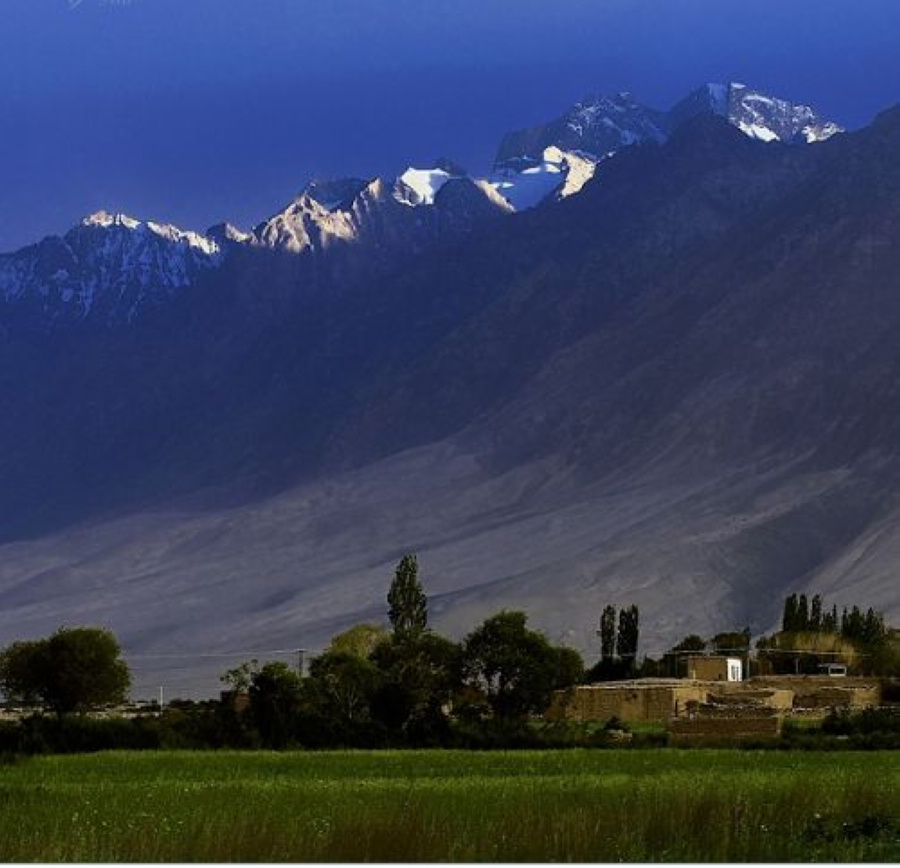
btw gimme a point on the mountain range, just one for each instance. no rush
(670, 377)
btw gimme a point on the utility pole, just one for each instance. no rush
(160, 699)
(300, 660)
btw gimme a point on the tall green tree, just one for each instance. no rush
(274, 701)
(815, 614)
(420, 678)
(608, 633)
(789, 618)
(802, 614)
(853, 624)
(873, 629)
(627, 637)
(407, 603)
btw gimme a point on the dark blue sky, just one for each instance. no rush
(194, 111)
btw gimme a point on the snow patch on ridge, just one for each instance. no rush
(525, 184)
(105, 220)
(424, 183)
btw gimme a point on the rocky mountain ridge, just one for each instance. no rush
(598, 126)
(111, 266)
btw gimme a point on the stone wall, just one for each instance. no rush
(822, 691)
(661, 700)
(714, 728)
(839, 697)
(745, 693)
(628, 701)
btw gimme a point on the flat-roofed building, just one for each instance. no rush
(715, 668)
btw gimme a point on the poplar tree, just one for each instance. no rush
(407, 603)
(802, 614)
(608, 633)
(627, 638)
(815, 614)
(789, 618)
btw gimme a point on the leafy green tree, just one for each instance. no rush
(420, 678)
(731, 641)
(517, 669)
(74, 670)
(407, 603)
(241, 677)
(361, 640)
(21, 671)
(690, 643)
(274, 698)
(341, 686)
(569, 666)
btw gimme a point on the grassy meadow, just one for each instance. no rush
(602, 805)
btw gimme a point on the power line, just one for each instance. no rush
(192, 655)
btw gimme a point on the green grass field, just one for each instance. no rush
(444, 805)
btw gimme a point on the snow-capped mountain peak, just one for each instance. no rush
(596, 125)
(166, 231)
(399, 215)
(756, 114)
(109, 262)
(527, 172)
(104, 219)
(117, 264)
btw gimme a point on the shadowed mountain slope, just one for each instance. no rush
(677, 387)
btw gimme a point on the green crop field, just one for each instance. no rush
(443, 805)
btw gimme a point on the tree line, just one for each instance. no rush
(404, 685)
(803, 615)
